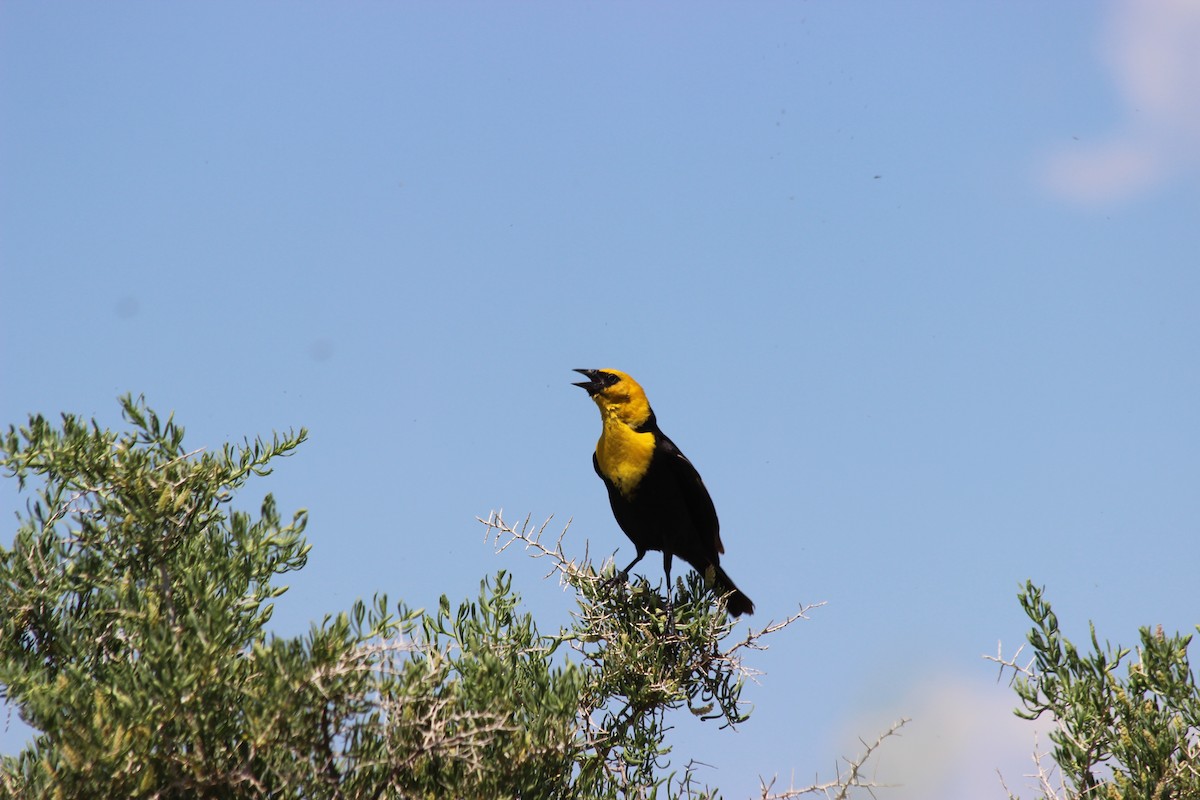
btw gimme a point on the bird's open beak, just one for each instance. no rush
(592, 385)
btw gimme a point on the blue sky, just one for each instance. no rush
(915, 286)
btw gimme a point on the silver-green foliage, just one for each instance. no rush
(1117, 737)
(133, 605)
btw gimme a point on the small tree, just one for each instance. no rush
(1115, 737)
(133, 606)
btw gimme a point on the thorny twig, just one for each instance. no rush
(840, 788)
(1019, 671)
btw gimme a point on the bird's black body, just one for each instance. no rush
(657, 496)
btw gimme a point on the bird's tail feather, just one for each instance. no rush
(736, 601)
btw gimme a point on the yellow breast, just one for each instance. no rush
(624, 454)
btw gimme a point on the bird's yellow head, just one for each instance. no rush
(619, 396)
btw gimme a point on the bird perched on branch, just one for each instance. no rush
(656, 494)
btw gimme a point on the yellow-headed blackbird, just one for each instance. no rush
(656, 494)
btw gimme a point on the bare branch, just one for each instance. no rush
(840, 788)
(1019, 670)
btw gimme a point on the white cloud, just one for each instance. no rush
(1152, 48)
(960, 735)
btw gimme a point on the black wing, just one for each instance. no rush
(694, 494)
